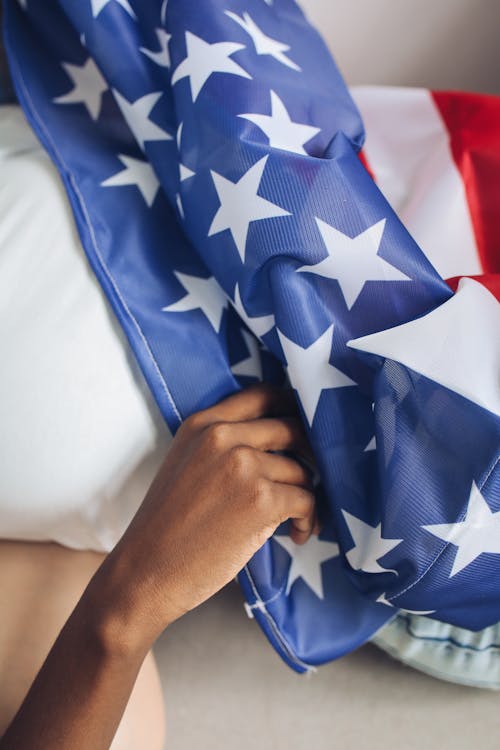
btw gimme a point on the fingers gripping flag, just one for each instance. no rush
(210, 153)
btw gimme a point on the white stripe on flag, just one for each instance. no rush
(407, 149)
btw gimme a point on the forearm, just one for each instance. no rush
(219, 495)
(81, 691)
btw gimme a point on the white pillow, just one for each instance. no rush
(81, 437)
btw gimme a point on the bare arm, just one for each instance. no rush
(216, 499)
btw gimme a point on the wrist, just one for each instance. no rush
(114, 615)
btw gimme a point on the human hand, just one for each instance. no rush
(219, 495)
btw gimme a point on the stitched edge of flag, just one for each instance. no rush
(131, 326)
(268, 624)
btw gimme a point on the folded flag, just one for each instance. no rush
(210, 151)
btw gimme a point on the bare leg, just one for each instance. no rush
(39, 586)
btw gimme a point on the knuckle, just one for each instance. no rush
(217, 435)
(262, 494)
(260, 498)
(241, 460)
(193, 423)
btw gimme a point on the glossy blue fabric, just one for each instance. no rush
(136, 250)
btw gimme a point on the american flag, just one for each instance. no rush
(211, 154)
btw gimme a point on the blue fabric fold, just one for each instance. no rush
(171, 179)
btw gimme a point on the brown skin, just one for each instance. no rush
(40, 585)
(218, 496)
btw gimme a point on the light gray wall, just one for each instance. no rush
(441, 44)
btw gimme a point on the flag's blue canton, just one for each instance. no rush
(209, 150)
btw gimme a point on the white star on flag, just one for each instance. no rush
(446, 344)
(88, 87)
(137, 116)
(478, 533)
(139, 173)
(161, 57)
(252, 365)
(307, 560)
(98, 5)
(264, 45)
(352, 261)
(258, 324)
(382, 599)
(372, 445)
(202, 294)
(203, 59)
(310, 371)
(184, 172)
(280, 129)
(240, 205)
(369, 545)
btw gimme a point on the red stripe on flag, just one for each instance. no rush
(490, 280)
(473, 124)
